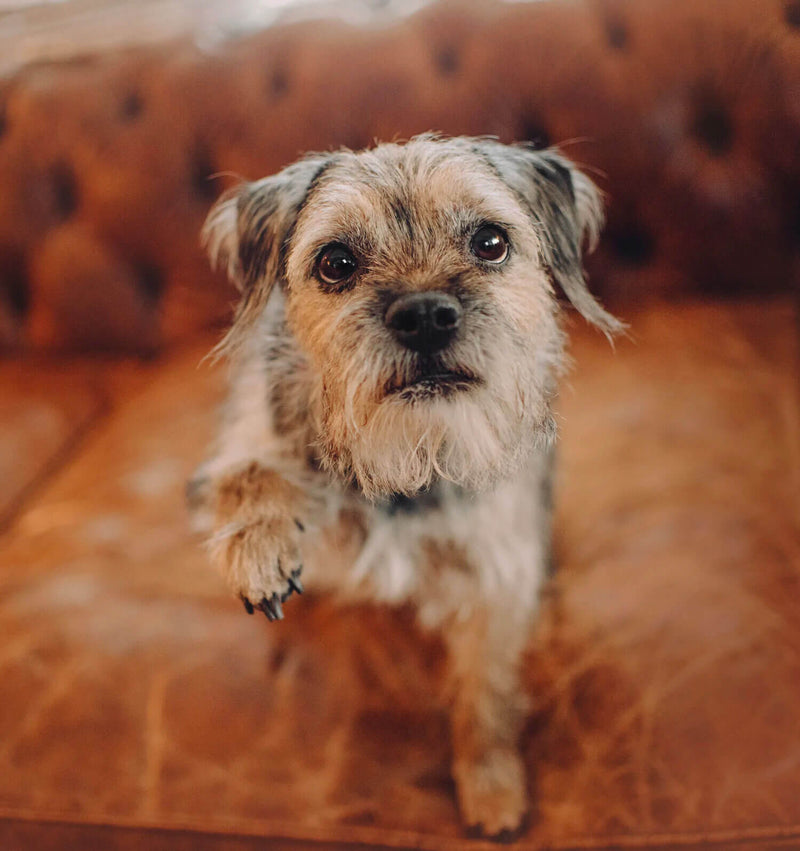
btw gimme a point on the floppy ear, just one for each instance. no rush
(248, 230)
(568, 213)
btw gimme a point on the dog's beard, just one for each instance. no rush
(391, 436)
(404, 447)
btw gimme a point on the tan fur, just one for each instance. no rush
(257, 521)
(487, 713)
(333, 452)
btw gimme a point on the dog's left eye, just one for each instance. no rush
(336, 264)
(490, 243)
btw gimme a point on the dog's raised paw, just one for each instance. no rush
(271, 606)
(261, 561)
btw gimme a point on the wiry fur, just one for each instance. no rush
(334, 452)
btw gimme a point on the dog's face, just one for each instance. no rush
(417, 279)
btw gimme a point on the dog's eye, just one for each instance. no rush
(489, 243)
(336, 264)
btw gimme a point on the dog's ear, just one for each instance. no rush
(567, 211)
(248, 229)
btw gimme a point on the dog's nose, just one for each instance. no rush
(424, 322)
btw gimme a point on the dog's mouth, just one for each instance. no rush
(432, 382)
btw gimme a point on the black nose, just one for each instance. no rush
(424, 322)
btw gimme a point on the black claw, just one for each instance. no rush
(266, 606)
(248, 606)
(294, 583)
(276, 607)
(299, 525)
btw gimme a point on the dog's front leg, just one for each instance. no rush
(253, 497)
(259, 520)
(488, 709)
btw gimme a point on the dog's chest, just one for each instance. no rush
(401, 536)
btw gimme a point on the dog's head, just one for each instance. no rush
(417, 306)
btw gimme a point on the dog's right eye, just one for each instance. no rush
(490, 244)
(335, 265)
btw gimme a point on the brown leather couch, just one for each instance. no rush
(140, 708)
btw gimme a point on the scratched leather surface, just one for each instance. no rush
(666, 669)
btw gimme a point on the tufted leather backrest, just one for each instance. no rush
(686, 113)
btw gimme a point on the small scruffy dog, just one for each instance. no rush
(389, 431)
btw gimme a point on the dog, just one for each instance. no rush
(389, 430)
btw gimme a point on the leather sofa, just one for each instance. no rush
(140, 708)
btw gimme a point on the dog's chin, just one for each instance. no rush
(433, 384)
(449, 426)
